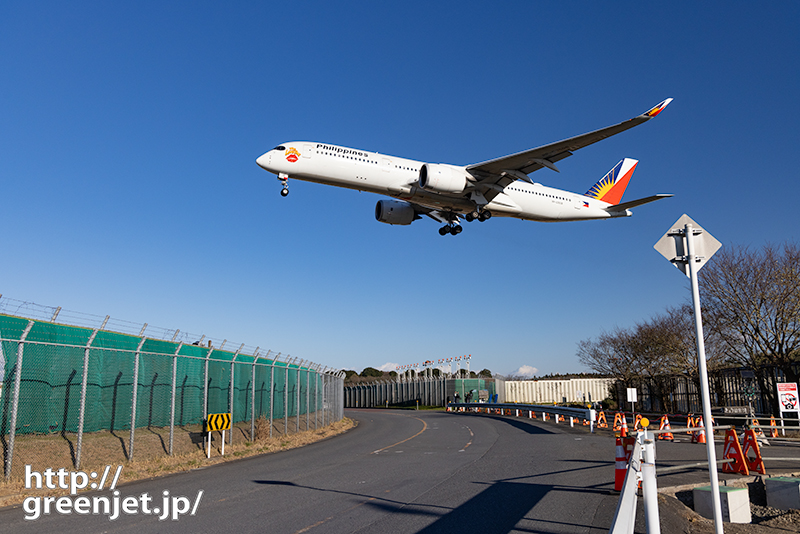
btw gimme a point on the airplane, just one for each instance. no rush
(448, 193)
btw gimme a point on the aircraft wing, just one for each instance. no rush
(633, 203)
(503, 171)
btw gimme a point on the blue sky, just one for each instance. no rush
(129, 185)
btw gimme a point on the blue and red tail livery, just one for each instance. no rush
(611, 186)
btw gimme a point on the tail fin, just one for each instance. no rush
(611, 186)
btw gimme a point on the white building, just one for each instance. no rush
(550, 391)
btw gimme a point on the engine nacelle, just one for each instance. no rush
(395, 212)
(439, 178)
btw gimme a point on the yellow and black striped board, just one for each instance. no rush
(218, 421)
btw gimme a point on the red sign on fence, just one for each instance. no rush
(787, 397)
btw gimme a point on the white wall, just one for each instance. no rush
(549, 391)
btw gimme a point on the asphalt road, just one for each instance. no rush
(397, 471)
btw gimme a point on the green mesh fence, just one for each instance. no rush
(197, 379)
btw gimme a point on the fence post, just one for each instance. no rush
(297, 381)
(272, 391)
(230, 402)
(253, 398)
(84, 385)
(286, 399)
(316, 397)
(172, 400)
(205, 382)
(135, 390)
(15, 405)
(308, 396)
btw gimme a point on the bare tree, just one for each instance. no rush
(753, 303)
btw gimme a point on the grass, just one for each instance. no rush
(150, 458)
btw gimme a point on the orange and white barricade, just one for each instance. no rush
(601, 420)
(733, 451)
(751, 450)
(617, 426)
(620, 466)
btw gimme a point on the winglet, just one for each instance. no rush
(657, 109)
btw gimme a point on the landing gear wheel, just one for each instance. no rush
(456, 229)
(444, 230)
(471, 216)
(284, 191)
(485, 215)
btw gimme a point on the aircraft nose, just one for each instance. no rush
(263, 160)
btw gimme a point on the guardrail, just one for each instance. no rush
(573, 413)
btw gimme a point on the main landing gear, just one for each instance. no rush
(283, 178)
(484, 215)
(452, 229)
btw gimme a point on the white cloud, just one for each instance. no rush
(388, 367)
(526, 370)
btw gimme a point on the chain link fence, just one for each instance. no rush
(427, 391)
(74, 395)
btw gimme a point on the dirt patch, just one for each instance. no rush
(150, 453)
(677, 512)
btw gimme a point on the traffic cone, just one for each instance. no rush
(699, 435)
(773, 427)
(665, 426)
(733, 451)
(620, 466)
(624, 427)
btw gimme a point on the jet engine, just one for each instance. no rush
(439, 178)
(395, 212)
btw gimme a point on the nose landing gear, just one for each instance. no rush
(283, 178)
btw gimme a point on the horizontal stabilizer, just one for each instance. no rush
(633, 203)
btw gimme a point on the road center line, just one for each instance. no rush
(424, 428)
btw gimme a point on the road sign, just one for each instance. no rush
(687, 246)
(674, 247)
(218, 421)
(787, 397)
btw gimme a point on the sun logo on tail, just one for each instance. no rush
(611, 186)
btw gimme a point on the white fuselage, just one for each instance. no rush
(398, 177)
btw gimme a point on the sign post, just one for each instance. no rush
(788, 401)
(217, 422)
(689, 247)
(633, 399)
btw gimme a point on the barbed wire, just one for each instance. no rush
(55, 314)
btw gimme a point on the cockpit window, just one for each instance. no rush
(281, 148)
